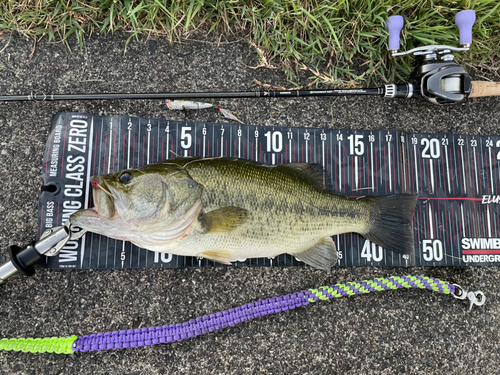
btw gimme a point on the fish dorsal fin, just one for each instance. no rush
(314, 173)
(225, 219)
(322, 255)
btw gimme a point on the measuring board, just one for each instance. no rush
(457, 218)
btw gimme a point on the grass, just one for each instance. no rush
(326, 37)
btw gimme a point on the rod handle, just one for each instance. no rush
(465, 20)
(484, 88)
(22, 260)
(394, 25)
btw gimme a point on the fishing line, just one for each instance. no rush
(209, 323)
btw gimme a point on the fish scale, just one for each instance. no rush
(272, 200)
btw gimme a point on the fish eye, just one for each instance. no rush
(125, 177)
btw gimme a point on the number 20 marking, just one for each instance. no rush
(431, 148)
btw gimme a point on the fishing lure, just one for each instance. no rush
(186, 104)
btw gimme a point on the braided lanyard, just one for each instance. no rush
(209, 323)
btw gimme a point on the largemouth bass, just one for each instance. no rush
(228, 209)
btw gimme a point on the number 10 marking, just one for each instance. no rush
(274, 141)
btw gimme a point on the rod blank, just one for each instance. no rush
(194, 95)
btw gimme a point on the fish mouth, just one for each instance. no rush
(104, 201)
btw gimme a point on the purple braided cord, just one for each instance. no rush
(209, 323)
(192, 328)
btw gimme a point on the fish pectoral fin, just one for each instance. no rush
(225, 219)
(322, 255)
(221, 256)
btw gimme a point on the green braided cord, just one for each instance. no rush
(59, 345)
(379, 284)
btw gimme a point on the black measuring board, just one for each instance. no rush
(456, 221)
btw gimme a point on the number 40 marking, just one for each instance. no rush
(370, 250)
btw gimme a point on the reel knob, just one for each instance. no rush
(465, 20)
(394, 25)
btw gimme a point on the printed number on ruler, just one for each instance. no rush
(371, 252)
(186, 139)
(274, 141)
(490, 144)
(356, 145)
(431, 148)
(433, 250)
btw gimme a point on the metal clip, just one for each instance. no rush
(51, 243)
(75, 232)
(476, 298)
(459, 293)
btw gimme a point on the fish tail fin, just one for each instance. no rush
(391, 222)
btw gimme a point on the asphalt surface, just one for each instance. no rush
(411, 331)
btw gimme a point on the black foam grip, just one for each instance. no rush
(25, 259)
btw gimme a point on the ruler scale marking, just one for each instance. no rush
(352, 173)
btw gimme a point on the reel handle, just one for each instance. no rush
(394, 25)
(465, 20)
(484, 88)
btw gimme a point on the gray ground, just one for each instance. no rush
(413, 332)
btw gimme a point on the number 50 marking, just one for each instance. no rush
(433, 250)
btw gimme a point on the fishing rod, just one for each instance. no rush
(437, 78)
